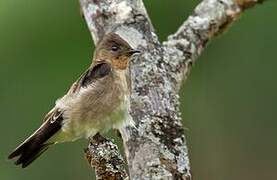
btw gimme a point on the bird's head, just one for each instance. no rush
(115, 50)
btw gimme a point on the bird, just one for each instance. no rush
(96, 102)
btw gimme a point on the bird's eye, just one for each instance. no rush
(115, 48)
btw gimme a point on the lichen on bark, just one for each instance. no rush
(156, 148)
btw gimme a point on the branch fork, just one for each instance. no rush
(157, 148)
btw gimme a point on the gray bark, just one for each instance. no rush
(157, 149)
(105, 157)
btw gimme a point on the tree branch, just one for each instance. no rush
(104, 15)
(157, 149)
(210, 18)
(104, 156)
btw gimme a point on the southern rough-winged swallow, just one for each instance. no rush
(96, 102)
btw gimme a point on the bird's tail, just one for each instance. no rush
(36, 144)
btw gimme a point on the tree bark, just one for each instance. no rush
(105, 157)
(157, 149)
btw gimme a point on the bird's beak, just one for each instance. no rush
(133, 51)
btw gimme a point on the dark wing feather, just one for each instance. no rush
(99, 70)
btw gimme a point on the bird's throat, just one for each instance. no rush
(121, 63)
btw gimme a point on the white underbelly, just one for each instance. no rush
(116, 120)
(118, 117)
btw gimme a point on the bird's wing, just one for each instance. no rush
(97, 71)
(53, 114)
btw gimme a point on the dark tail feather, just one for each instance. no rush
(36, 144)
(28, 157)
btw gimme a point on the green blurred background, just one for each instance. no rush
(229, 102)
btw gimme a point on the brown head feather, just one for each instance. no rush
(115, 50)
